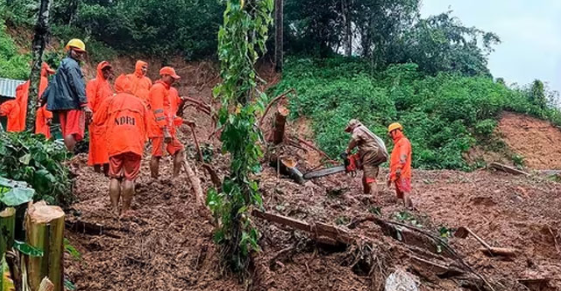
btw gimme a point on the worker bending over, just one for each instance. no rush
(126, 119)
(400, 164)
(97, 91)
(163, 128)
(66, 95)
(372, 153)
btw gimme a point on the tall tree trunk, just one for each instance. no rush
(37, 47)
(279, 22)
(346, 5)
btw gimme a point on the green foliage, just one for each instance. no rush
(485, 127)
(69, 248)
(39, 162)
(241, 39)
(518, 160)
(152, 27)
(405, 216)
(12, 64)
(536, 94)
(443, 115)
(27, 249)
(14, 193)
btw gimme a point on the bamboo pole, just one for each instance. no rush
(280, 124)
(45, 231)
(7, 228)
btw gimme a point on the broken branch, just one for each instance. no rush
(275, 100)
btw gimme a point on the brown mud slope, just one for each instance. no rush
(168, 246)
(536, 140)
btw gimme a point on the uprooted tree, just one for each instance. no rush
(241, 39)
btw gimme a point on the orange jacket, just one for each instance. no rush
(12, 111)
(175, 101)
(162, 114)
(22, 96)
(98, 89)
(41, 122)
(401, 157)
(140, 84)
(125, 118)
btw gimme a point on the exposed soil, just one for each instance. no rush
(168, 245)
(536, 140)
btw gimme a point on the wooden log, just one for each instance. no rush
(323, 233)
(287, 166)
(46, 285)
(280, 124)
(195, 182)
(507, 169)
(45, 231)
(502, 252)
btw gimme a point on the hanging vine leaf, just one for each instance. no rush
(241, 39)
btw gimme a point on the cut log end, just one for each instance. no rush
(8, 212)
(46, 285)
(40, 212)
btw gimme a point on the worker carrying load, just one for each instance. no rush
(372, 153)
(400, 164)
(140, 84)
(66, 95)
(97, 91)
(163, 123)
(125, 119)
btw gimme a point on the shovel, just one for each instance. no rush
(463, 232)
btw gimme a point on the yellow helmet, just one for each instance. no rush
(76, 44)
(394, 126)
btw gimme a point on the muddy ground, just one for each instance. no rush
(168, 246)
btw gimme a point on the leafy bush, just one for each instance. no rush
(39, 162)
(443, 115)
(12, 64)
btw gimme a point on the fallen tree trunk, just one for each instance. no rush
(280, 124)
(45, 231)
(322, 232)
(507, 169)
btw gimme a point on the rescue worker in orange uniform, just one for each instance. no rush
(43, 116)
(125, 119)
(140, 84)
(11, 110)
(66, 95)
(372, 152)
(162, 130)
(97, 91)
(400, 164)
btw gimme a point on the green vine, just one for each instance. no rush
(241, 40)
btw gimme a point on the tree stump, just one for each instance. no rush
(45, 231)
